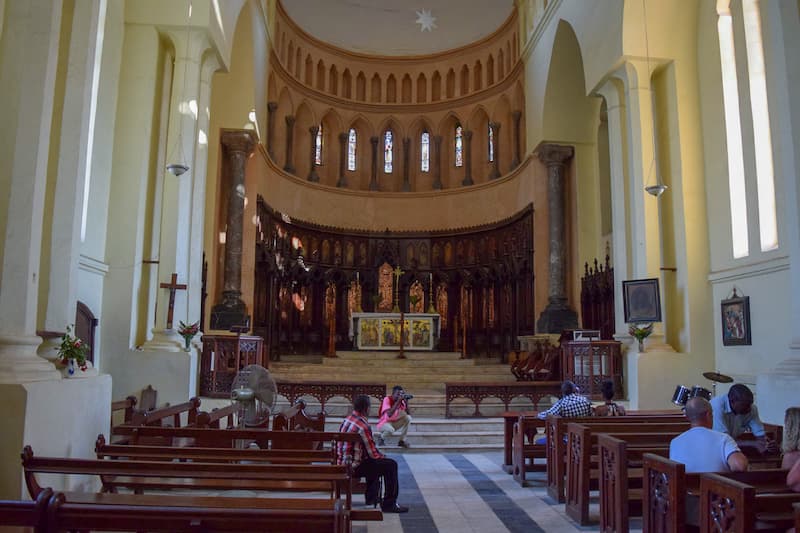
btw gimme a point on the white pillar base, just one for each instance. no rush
(19, 362)
(57, 419)
(164, 340)
(49, 349)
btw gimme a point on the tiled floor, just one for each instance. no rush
(469, 492)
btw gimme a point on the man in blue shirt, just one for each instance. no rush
(734, 413)
(701, 448)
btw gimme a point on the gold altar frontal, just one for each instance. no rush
(381, 331)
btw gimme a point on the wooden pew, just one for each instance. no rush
(132, 512)
(229, 438)
(510, 418)
(26, 513)
(216, 416)
(524, 448)
(157, 417)
(621, 479)
(127, 406)
(731, 505)
(666, 486)
(556, 428)
(141, 476)
(583, 471)
(796, 517)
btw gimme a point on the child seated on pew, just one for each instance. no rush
(610, 407)
(791, 447)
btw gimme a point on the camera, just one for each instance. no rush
(407, 396)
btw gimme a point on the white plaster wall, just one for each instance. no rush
(653, 376)
(56, 418)
(172, 374)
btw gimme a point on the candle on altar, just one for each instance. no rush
(431, 274)
(356, 276)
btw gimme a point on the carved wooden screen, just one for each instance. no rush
(385, 284)
(597, 298)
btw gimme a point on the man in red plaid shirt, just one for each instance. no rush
(367, 460)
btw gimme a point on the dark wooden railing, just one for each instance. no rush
(323, 391)
(505, 392)
(223, 356)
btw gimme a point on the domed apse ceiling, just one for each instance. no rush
(398, 27)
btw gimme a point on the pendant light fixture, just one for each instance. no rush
(180, 166)
(657, 188)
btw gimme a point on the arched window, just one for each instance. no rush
(318, 147)
(425, 152)
(388, 151)
(351, 150)
(490, 137)
(459, 146)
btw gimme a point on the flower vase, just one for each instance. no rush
(641, 345)
(71, 368)
(187, 343)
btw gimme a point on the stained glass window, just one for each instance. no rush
(388, 150)
(318, 147)
(351, 150)
(491, 143)
(425, 152)
(459, 146)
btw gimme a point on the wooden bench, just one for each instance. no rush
(525, 450)
(556, 431)
(126, 406)
(229, 438)
(796, 517)
(133, 512)
(729, 505)
(666, 486)
(162, 415)
(583, 457)
(509, 419)
(26, 513)
(216, 416)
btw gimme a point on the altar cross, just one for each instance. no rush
(173, 286)
(397, 272)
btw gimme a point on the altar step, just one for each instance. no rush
(424, 372)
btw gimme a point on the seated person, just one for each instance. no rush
(610, 407)
(701, 448)
(734, 413)
(367, 460)
(571, 404)
(394, 416)
(791, 447)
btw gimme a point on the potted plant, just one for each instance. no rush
(188, 332)
(72, 353)
(640, 332)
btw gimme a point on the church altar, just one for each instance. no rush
(381, 331)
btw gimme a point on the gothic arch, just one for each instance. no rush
(359, 179)
(304, 120)
(479, 125)
(451, 174)
(331, 129)
(393, 181)
(420, 181)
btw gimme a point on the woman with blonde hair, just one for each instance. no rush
(791, 447)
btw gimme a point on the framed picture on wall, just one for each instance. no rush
(642, 300)
(736, 321)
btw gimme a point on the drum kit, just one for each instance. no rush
(684, 394)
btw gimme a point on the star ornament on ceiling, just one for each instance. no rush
(426, 21)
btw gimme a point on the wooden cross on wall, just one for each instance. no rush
(173, 286)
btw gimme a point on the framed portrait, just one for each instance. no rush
(642, 300)
(736, 321)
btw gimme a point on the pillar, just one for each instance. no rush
(238, 145)
(272, 107)
(495, 172)
(289, 166)
(406, 155)
(437, 162)
(27, 88)
(312, 174)
(557, 315)
(342, 160)
(516, 116)
(373, 177)
(467, 158)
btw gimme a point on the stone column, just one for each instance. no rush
(342, 160)
(272, 107)
(373, 178)
(312, 174)
(516, 116)
(406, 155)
(289, 167)
(69, 211)
(558, 315)
(238, 144)
(437, 162)
(32, 32)
(467, 158)
(495, 173)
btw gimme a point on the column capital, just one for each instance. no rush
(272, 106)
(238, 141)
(289, 120)
(313, 130)
(467, 135)
(374, 140)
(516, 115)
(343, 137)
(554, 154)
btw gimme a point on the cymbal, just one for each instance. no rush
(716, 376)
